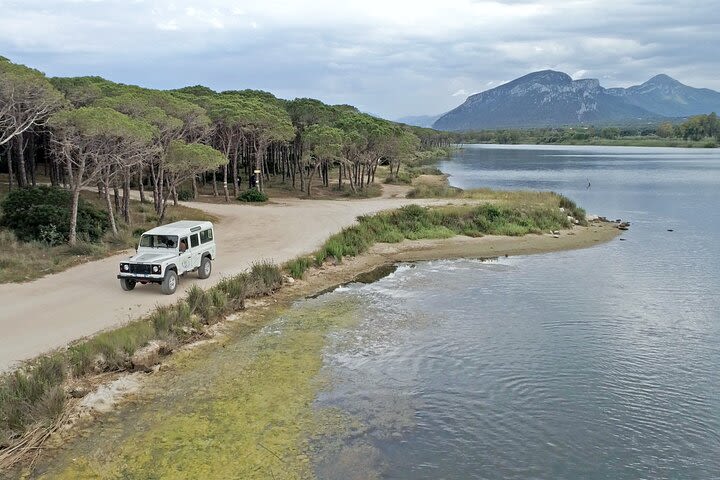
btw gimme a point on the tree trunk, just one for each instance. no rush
(32, 153)
(225, 183)
(157, 179)
(10, 166)
(163, 209)
(109, 204)
(72, 237)
(234, 173)
(215, 190)
(116, 194)
(126, 197)
(194, 187)
(21, 174)
(141, 187)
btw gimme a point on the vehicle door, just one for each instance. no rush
(196, 250)
(185, 256)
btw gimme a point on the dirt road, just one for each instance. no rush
(50, 312)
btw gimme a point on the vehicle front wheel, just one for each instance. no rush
(170, 283)
(127, 284)
(205, 268)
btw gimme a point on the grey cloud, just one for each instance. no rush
(382, 64)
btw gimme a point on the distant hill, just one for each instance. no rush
(666, 96)
(425, 121)
(550, 98)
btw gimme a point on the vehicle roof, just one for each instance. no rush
(181, 227)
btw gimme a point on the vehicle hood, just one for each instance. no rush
(152, 257)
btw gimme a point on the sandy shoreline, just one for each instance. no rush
(319, 279)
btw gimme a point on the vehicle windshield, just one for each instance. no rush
(159, 241)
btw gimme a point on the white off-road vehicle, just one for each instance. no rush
(166, 252)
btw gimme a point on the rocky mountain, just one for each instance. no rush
(550, 98)
(425, 121)
(666, 96)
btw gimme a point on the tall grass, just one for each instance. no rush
(298, 266)
(34, 395)
(414, 222)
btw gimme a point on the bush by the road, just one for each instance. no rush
(252, 195)
(43, 214)
(185, 195)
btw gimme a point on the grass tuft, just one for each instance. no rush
(298, 266)
(267, 277)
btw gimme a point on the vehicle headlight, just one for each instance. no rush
(156, 268)
(125, 267)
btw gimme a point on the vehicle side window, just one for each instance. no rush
(206, 236)
(183, 244)
(194, 241)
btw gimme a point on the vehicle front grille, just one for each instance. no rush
(141, 269)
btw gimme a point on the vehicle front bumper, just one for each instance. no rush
(141, 278)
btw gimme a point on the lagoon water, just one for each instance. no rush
(595, 363)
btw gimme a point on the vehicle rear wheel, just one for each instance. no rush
(170, 282)
(205, 268)
(127, 284)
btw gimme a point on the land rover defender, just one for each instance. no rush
(164, 253)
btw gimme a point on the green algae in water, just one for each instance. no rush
(251, 422)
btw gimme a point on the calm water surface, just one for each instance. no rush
(596, 363)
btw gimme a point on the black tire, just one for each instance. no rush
(170, 282)
(127, 284)
(205, 268)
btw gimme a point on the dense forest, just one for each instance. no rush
(89, 132)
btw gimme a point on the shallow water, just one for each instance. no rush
(596, 363)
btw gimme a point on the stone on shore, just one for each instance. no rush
(148, 356)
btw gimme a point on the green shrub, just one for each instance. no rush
(320, 257)
(402, 178)
(434, 191)
(253, 195)
(185, 195)
(428, 170)
(26, 394)
(298, 266)
(43, 213)
(572, 209)
(220, 304)
(236, 288)
(335, 248)
(200, 303)
(83, 249)
(266, 277)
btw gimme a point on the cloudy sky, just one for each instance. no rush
(387, 57)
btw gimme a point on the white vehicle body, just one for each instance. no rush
(166, 252)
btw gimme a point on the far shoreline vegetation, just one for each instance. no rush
(699, 131)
